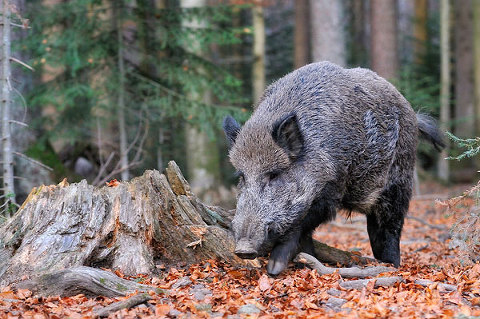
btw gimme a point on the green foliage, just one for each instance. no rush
(43, 151)
(74, 44)
(8, 208)
(421, 90)
(472, 146)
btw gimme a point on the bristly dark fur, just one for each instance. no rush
(321, 139)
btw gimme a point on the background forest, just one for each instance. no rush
(107, 89)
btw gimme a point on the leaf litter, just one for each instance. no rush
(216, 289)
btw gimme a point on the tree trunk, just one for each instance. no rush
(132, 227)
(258, 68)
(117, 18)
(476, 57)
(203, 159)
(7, 158)
(328, 39)
(443, 167)
(420, 30)
(464, 107)
(383, 21)
(464, 111)
(302, 33)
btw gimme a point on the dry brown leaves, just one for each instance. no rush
(216, 289)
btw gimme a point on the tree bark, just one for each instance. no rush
(420, 30)
(131, 227)
(383, 20)
(258, 68)
(328, 39)
(125, 174)
(5, 73)
(443, 166)
(203, 158)
(476, 67)
(302, 33)
(83, 280)
(464, 99)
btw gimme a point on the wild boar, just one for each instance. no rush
(321, 139)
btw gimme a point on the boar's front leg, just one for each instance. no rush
(282, 253)
(385, 223)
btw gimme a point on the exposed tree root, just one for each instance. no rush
(370, 271)
(352, 272)
(83, 280)
(334, 256)
(379, 282)
(124, 304)
(427, 283)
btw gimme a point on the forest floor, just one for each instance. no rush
(214, 289)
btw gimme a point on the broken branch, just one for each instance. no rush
(352, 272)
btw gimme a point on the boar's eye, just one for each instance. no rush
(273, 175)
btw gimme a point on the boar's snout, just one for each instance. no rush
(245, 249)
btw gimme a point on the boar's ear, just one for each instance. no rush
(286, 133)
(231, 129)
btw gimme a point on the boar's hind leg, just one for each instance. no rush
(385, 222)
(282, 253)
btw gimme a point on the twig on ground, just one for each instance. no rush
(352, 272)
(421, 248)
(124, 304)
(439, 227)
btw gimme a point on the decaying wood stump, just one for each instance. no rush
(130, 226)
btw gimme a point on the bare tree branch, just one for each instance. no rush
(33, 161)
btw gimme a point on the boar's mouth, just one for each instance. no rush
(245, 249)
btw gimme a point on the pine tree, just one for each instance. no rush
(81, 51)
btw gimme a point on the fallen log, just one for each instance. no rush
(128, 226)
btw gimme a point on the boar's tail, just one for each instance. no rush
(429, 131)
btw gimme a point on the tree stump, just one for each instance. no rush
(130, 226)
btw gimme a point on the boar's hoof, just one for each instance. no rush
(275, 267)
(244, 249)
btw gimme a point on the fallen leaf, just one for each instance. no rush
(264, 283)
(113, 183)
(8, 295)
(24, 293)
(162, 310)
